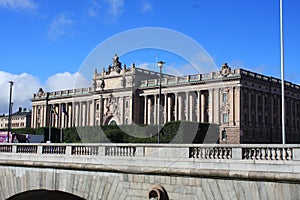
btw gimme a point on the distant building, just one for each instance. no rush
(19, 119)
(246, 105)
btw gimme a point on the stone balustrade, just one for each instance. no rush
(271, 162)
(195, 151)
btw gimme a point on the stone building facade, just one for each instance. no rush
(246, 105)
(19, 119)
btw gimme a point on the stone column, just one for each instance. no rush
(70, 114)
(231, 111)
(149, 110)
(155, 110)
(180, 111)
(33, 117)
(74, 124)
(176, 106)
(169, 116)
(93, 114)
(101, 110)
(187, 106)
(88, 113)
(211, 105)
(166, 114)
(198, 108)
(191, 106)
(145, 109)
(62, 116)
(202, 117)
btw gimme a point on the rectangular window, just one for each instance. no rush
(224, 97)
(225, 117)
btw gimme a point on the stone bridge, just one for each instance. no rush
(149, 171)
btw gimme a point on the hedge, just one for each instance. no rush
(172, 132)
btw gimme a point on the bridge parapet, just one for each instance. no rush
(197, 151)
(229, 161)
(203, 151)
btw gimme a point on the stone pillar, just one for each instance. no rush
(93, 113)
(176, 107)
(62, 116)
(149, 111)
(238, 104)
(101, 110)
(74, 124)
(88, 113)
(33, 117)
(231, 103)
(218, 106)
(187, 106)
(169, 116)
(211, 105)
(202, 117)
(145, 109)
(192, 106)
(198, 106)
(166, 112)
(155, 110)
(70, 114)
(180, 111)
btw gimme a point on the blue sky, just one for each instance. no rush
(47, 40)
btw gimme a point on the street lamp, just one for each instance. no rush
(11, 83)
(160, 64)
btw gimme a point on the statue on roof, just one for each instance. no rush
(117, 66)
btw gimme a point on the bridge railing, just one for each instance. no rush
(190, 151)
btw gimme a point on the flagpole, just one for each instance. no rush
(282, 74)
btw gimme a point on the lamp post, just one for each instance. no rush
(160, 65)
(11, 83)
(282, 74)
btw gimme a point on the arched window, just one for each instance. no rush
(112, 122)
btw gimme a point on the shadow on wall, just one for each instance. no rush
(44, 195)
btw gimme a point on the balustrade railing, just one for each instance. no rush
(54, 150)
(85, 150)
(120, 151)
(192, 151)
(6, 148)
(27, 149)
(273, 153)
(210, 152)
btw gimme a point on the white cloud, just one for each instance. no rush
(146, 7)
(66, 80)
(25, 85)
(22, 91)
(115, 7)
(18, 4)
(94, 9)
(61, 26)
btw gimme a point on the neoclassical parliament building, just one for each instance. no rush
(245, 105)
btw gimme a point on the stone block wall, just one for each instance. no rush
(129, 186)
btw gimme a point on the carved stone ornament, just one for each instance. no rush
(226, 70)
(111, 106)
(225, 107)
(99, 84)
(41, 93)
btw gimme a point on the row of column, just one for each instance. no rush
(189, 106)
(68, 114)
